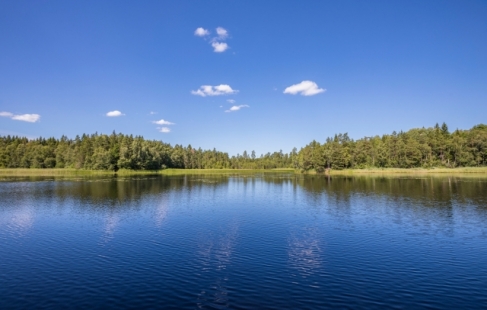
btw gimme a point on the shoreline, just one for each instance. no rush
(405, 171)
(5, 172)
(477, 171)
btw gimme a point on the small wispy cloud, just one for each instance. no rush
(164, 129)
(237, 107)
(219, 47)
(305, 88)
(201, 32)
(208, 90)
(222, 33)
(216, 42)
(31, 118)
(231, 101)
(163, 122)
(115, 113)
(6, 114)
(152, 113)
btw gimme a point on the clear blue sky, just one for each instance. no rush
(385, 65)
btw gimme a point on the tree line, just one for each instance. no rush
(419, 147)
(119, 151)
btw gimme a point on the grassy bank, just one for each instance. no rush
(66, 172)
(479, 171)
(403, 171)
(223, 171)
(82, 172)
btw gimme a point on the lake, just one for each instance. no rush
(269, 241)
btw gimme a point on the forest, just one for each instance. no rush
(417, 148)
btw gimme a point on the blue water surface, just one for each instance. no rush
(273, 241)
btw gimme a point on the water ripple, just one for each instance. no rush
(243, 242)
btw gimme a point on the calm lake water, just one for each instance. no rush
(270, 241)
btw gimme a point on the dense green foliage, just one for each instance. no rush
(118, 151)
(424, 147)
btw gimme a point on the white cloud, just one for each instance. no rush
(305, 88)
(201, 32)
(208, 90)
(31, 118)
(222, 33)
(152, 113)
(164, 129)
(6, 114)
(216, 42)
(219, 47)
(114, 113)
(231, 101)
(162, 122)
(237, 107)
